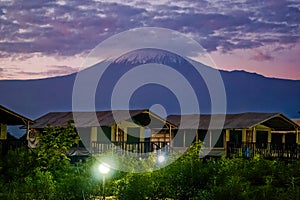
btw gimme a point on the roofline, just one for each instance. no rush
(159, 118)
(274, 115)
(16, 114)
(141, 111)
(278, 115)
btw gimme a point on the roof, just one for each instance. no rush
(297, 121)
(275, 121)
(10, 117)
(99, 118)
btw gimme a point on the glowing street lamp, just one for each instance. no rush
(161, 158)
(104, 169)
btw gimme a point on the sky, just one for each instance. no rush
(40, 39)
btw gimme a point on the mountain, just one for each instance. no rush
(244, 91)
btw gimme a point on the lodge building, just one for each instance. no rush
(142, 131)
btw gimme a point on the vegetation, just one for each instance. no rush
(46, 173)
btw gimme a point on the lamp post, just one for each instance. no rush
(103, 169)
(161, 158)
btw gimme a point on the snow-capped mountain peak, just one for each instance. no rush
(149, 55)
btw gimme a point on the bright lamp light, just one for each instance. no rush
(104, 168)
(161, 158)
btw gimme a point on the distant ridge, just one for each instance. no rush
(246, 92)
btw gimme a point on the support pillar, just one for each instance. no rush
(3, 131)
(269, 136)
(244, 135)
(210, 139)
(297, 142)
(269, 142)
(297, 136)
(27, 130)
(254, 135)
(283, 139)
(170, 136)
(184, 136)
(227, 135)
(283, 145)
(227, 139)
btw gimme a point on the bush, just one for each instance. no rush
(28, 175)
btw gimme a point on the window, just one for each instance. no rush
(147, 133)
(261, 139)
(104, 134)
(212, 137)
(85, 136)
(190, 137)
(276, 138)
(178, 139)
(236, 137)
(220, 139)
(133, 135)
(290, 138)
(201, 135)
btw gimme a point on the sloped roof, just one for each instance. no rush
(10, 117)
(275, 121)
(297, 121)
(98, 118)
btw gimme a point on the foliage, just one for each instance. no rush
(53, 144)
(17, 164)
(49, 175)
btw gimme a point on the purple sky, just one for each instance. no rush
(49, 38)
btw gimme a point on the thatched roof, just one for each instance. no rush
(10, 117)
(276, 121)
(99, 118)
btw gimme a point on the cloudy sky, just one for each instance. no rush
(50, 38)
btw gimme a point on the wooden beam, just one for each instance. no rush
(24, 119)
(269, 136)
(254, 134)
(210, 138)
(27, 131)
(94, 136)
(297, 136)
(170, 136)
(227, 135)
(117, 133)
(3, 131)
(159, 118)
(184, 135)
(244, 135)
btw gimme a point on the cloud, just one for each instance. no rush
(260, 56)
(51, 71)
(2, 73)
(52, 28)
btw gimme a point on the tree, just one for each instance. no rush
(53, 144)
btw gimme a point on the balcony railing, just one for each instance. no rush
(267, 150)
(127, 148)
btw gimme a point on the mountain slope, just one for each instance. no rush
(245, 91)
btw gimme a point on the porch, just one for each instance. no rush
(139, 148)
(267, 150)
